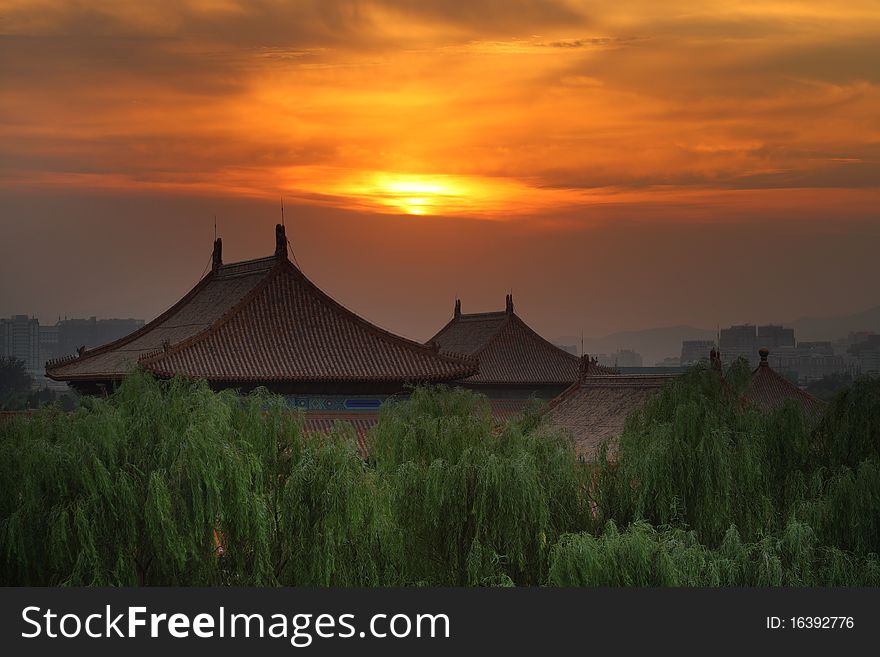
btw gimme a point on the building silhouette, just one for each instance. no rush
(20, 339)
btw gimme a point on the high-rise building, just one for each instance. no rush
(48, 343)
(867, 354)
(626, 358)
(739, 341)
(808, 361)
(92, 332)
(20, 339)
(693, 351)
(772, 336)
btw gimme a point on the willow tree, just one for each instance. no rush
(642, 555)
(472, 503)
(154, 485)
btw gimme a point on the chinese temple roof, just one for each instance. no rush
(263, 321)
(769, 389)
(595, 408)
(508, 350)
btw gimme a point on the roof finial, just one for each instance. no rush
(217, 257)
(584, 367)
(280, 242)
(763, 352)
(509, 304)
(715, 359)
(457, 312)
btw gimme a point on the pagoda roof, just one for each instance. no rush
(769, 389)
(263, 321)
(508, 350)
(595, 408)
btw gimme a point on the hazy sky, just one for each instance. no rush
(616, 164)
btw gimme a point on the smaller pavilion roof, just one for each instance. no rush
(595, 408)
(769, 389)
(509, 350)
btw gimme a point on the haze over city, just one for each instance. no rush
(614, 165)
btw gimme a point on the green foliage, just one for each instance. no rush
(15, 384)
(829, 385)
(170, 483)
(472, 505)
(644, 556)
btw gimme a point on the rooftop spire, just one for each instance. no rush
(217, 256)
(584, 366)
(509, 304)
(715, 359)
(763, 352)
(457, 312)
(280, 242)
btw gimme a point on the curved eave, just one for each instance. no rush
(314, 379)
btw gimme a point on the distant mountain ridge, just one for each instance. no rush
(831, 328)
(655, 344)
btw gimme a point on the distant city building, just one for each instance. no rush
(808, 361)
(739, 341)
(693, 351)
(23, 338)
(92, 332)
(744, 341)
(771, 336)
(626, 358)
(48, 344)
(866, 354)
(670, 361)
(570, 348)
(20, 339)
(620, 358)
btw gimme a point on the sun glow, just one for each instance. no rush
(417, 195)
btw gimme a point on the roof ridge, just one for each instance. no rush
(483, 315)
(455, 320)
(244, 267)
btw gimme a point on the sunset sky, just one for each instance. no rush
(615, 164)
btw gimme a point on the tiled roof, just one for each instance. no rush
(201, 307)
(769, 389)
(264, 321)
(509, 352)
(595, 408)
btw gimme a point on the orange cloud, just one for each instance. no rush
(504, 110)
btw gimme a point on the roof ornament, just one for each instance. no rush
(763, 352)
(80, 350)
(509, 304)
(457, 312)
(715, 359)
(584, 366)
(217, 257)
(280, 242)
